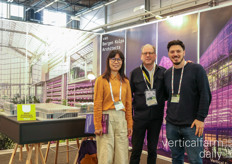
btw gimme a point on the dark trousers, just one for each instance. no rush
(139, 128)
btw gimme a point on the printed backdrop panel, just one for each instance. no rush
(136, 38)
(112, 41)
(183, 28)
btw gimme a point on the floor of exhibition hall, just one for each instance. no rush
(6, 154)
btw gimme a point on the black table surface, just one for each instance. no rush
(26, 132)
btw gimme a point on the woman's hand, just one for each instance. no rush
(130, 131)
(98, 132)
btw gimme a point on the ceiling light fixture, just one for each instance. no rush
(27, 9)
(98, 7)
(158, 17)
(110, 2)
(46, 6)
(88, 11)
(142, 7)
(176, 21)
(91, 76)
(75, 18)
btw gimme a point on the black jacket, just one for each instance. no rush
(138, 87)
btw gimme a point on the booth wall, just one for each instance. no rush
(208, 39)
(216, 58)
(136, 38)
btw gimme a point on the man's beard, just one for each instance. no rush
(178, 62)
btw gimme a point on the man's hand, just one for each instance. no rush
(199, 127)
(98, 132)
(189, 61)
(130, 131)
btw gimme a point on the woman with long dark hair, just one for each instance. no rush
(112, 96)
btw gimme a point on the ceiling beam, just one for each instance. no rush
(24, 2)
(21, 32)
(91, 7)
(9, 30)
(77, 4)
(19, 51)
(36, 37)
(13, 47)
(37, 3)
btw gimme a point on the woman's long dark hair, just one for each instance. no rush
(107, 72)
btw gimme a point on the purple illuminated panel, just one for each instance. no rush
(217, 61)
(165, 62)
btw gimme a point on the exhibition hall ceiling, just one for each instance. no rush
(49, 43)
(71, 7)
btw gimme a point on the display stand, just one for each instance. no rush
(20, 153)
(35, 132)
(13, 154)
(29, 153)
(37, 152)
(57, 150)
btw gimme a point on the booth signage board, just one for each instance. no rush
(112, 41)
(26, 112)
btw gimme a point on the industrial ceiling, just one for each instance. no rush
(71, 7)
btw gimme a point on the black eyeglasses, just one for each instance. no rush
(119, 60)
(148, 53)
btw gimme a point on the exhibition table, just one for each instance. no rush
(35, 132)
